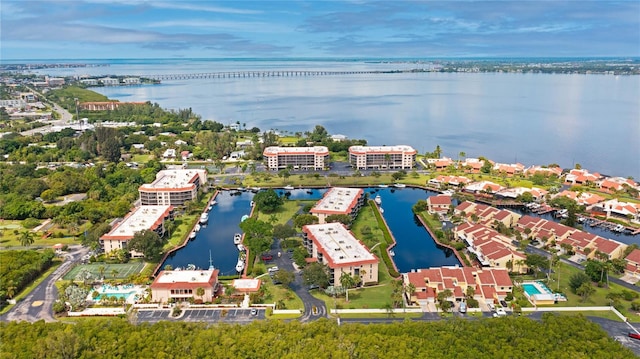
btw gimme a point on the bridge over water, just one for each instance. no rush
(255, 74)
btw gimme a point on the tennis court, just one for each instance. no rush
(121, 271)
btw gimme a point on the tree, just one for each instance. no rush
(283, 231)
(577, 280)
(200, 292)
(316, 274)
(585, 290)
(268, 201)
(595, 270)
(26, 238)
(346, 281)
(443, 300)
(537, 263)
(304, 219)
(114, 273)
(284, 276)
(147, 242)
(437, 152)
(258, 234)
(341, 218)
(101, 270)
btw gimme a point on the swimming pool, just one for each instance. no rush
(105, 295)
(530, 289)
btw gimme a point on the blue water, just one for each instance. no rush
(415, 247)
(530, 289)
(216, 236)
(114, 295)
(530, 118)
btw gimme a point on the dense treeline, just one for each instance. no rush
(19, 268)
(517, 337)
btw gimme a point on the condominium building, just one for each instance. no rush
(304, 158)
(334, 245)
(173, 187)
(382, 157)
(339, 200)
(141, 218)
(174, 285)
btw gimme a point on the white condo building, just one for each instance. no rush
(139, 219)
(382, 157)
(334, 245)
(339, 200)
(173, 187)
(304, 158)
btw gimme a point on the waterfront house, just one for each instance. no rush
(611, 184)
(334, 245)
(489, 284)
(485, 214)
(382, 157)
(483, 187)
(508, 169)
(339, 200)
(581, 177)
(440, 164)
(474, 165)
(622, 210)
(151, 218)
(182, 285)
(546, 171)
(439, 204)
(538, 194)
(303, 158)
(581, 198)
(442, 181)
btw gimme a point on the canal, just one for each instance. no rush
(415, 247)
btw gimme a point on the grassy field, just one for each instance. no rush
(141, 158)
(284, 213)
(361, 298)
(123, 270)
(184, 225)
(280, 292)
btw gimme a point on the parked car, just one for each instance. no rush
(499, 313)
(634, 335)
(273, 269)
(266, 257)
(504, 304)
(254, 311)
(463, 307)
(313, 286)
(491, 306)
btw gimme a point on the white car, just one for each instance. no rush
(273, 269)
(499, 313)
(491, 307)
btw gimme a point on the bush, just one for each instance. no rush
(59, 307)
(176, 311)
(577, 280)
(509, 297)
(629, 295)
(30, 223)
(635, 306)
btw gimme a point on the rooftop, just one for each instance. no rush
(184, 276)
(382, 149)
(274, 150)
(338, 244)
(175, 179)
(141, 218)
(339, 200)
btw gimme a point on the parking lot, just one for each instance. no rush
(231, 315)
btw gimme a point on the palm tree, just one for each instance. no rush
(346, 280)
(387, 159)
(114, 273)
(200, 292)
(411, 290)
(101, 270)
(462, 154)
(26, 238)
(438, 151)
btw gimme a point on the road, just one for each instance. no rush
(65, 117)
(38, 305)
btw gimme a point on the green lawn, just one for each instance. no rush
(141, 159)
(361, 298)
(184, 225)
(124, 270)
(284, 213)
(280, 292)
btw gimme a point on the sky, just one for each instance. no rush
(108, 29)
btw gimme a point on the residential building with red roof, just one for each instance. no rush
(508, 169)
(456, 181)
(491, 248)
(181, 285)
(538, 194)
(305, 158)
(581, 198)
(581, 177)
(633, 263)
(473, 165)
(624, 210)
(440, 163)
(489, 284)
(485, 214)
(334, 245)
(542, 230)
(483, 187)
(611, 184)
(339, 200)
(439, 204)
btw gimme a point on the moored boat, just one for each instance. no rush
(288, 187)
(240, 247)
(383, 185)
(237, 238)
(192, 235)
(240, 265)
(399, 185)
(196, 228)
(204, 217)
(378, 200)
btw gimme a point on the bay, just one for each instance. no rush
(591, 120)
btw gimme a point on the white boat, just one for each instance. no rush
(192, 235)
(255, 189)
(237, 238)
(196, 228)
(244, 218)
(383, 185)
(288, 187)
(204, 218)
(240, 265)
(378, 200)
(191, 267)
(240, 247)
(399, 185)
(392, 253)
(618, 228)
(381, 210)
(252, 203)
